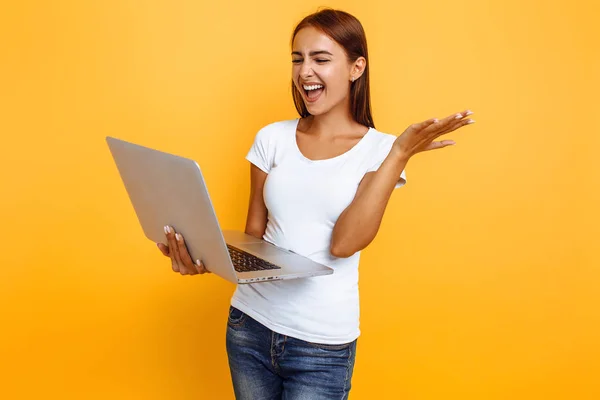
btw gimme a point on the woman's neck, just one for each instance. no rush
(337, 120)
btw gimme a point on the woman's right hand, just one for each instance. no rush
(177, 251)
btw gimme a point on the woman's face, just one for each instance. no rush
(321, 71)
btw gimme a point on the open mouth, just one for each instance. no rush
(313, 92)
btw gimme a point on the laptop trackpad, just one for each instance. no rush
(264, 249)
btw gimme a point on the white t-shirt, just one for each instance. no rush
(304, 199)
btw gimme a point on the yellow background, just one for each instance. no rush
(483, 282)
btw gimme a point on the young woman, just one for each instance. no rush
(319, 187)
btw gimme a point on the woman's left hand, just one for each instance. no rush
(420, 137)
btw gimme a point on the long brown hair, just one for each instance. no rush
(348, 32)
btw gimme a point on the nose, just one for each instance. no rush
(306, 70)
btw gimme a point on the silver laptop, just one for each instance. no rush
(166, 189)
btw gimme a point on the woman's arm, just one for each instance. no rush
(358, 224)
(256, 220)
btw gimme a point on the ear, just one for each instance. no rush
(358, 67)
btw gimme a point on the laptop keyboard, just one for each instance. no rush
(246, 262)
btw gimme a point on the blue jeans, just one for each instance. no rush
(266, 365)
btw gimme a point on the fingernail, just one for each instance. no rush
(458, 116)
(435, 120)
(470, 121)
(469, 112)
(198, 262)
(178, 237)
(166, 229)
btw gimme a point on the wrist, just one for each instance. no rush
(395, 162)
(399, 156)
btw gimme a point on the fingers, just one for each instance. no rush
(183, 252)
(180, 257)
(175, 261)
(445, 143)
(423, 125)
(184, 255)
(164, 249)
(439, 145)
(448, 124)
(181, 260)
(201, 268)
(454, 126)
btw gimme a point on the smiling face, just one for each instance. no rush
(321, 71)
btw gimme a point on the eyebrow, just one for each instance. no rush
(312, 53)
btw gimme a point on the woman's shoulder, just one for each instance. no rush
(281, 125)
(381, 138)
(277, 129)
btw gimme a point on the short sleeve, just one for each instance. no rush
(381, 154)
(261, 151)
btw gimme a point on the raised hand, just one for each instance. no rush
(420, 136)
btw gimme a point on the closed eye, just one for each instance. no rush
(319, 61)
